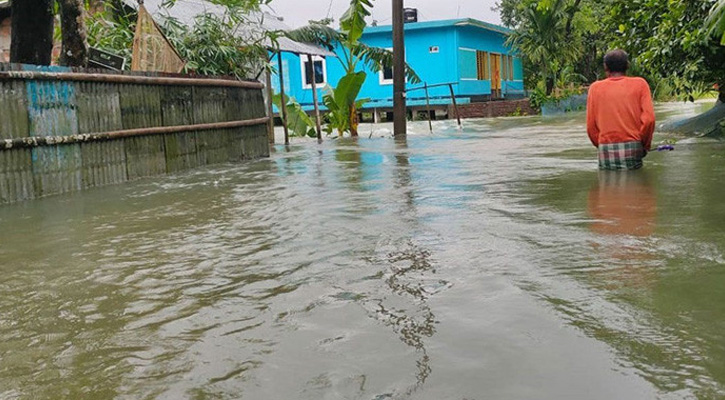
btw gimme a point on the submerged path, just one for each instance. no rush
(493, 263)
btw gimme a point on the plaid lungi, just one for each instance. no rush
(617, 156)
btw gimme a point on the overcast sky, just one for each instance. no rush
(297, 12)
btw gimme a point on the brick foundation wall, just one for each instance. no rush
(494, 109)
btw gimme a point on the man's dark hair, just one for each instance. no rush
(617, 61)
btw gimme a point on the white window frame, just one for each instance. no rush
(303, 61)
(381, 75)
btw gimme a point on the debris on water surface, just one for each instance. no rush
(665, 147)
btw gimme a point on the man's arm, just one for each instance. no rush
(592, 128)
(648, 117)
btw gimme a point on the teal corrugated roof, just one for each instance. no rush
(443, 24)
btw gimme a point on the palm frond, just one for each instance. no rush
(321, 35)
(377, 58)
(715, 23)
(352, 23)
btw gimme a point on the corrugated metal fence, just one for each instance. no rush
(64, 130)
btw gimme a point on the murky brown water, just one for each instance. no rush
(493, 263)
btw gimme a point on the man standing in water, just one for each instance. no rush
(620, 115)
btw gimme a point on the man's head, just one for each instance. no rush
(616, 62)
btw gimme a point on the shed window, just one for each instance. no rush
(319, 68)
(482, 62)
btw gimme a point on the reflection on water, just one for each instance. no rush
(490, 263)
(414, 321)
(650, 266)
(623, 204)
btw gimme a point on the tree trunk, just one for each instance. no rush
(73, 27)
(549, 86)
(353, 121)
(31, 38)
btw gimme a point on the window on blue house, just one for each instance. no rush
(386, 74)
(511, 68)
(483, 66)
(505, 68)
(319, 67)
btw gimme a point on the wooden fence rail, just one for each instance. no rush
(64, 130)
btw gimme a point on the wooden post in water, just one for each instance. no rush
(455, 105)
(427, 108)
(270, 109)
(314, 98)
(399, 107)
(282, 99)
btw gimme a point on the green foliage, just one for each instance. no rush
(298, 122)
(324, 21)
(342, 101)
(509, 12)
(355, 52)
(215, 45)
(543, 36)
(539, 97)
(674, 44)
(518, 112)
(228, 44)
(352, 22)
(716, 21)
(112, 29)
(669, 41)
(247, 5)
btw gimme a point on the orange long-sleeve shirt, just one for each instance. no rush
(620, 110)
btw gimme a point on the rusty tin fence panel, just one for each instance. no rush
(141, 108)
(103, 163)
(209, 107)
(65, 130)
(52, 112)
(16, 168)
(177, 108)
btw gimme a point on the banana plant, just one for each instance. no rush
(297, 119)
(342, 101)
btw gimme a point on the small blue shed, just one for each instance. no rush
(471, 54)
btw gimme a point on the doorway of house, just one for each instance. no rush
(495, 76)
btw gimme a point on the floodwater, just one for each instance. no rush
(490, 263)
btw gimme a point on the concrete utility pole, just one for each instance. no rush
(399, 107)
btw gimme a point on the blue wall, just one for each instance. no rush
(493, 42)
(449, 64)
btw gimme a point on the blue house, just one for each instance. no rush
(469, 53)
